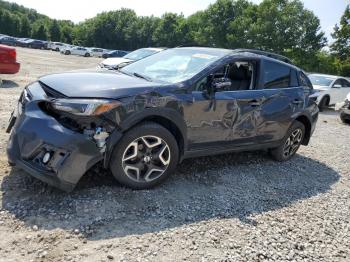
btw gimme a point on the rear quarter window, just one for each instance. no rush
(304, 80)
(276, 75)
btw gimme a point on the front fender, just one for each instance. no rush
(149, 114)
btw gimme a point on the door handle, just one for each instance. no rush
(255, 103)
(297, 101)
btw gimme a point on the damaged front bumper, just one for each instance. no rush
(344, 109)
(47, 150)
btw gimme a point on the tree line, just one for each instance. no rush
(282, 26)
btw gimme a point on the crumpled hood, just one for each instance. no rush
(97, 84)
(114, 61)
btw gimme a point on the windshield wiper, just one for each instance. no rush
(142, 76)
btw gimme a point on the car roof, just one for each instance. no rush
(248, 53)
(326, 75)
(157, 49)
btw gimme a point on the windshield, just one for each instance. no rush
(140, 53)
(174, 65)
(321, 80)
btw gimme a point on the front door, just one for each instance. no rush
(226, 116)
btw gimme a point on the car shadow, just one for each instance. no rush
(8, 84)
(329, 111)
(224, 186)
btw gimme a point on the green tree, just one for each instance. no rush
(341, 45)
(25, 27)
(9, 23)
(55, 31)
(40, 32)
(172, 30)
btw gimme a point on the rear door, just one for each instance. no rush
(283, 98)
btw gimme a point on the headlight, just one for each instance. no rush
(84, 107)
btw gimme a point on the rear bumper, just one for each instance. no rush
(12, 68)
(71, 154)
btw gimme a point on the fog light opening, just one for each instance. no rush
(46, 158)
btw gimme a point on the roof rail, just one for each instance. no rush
(264, 53)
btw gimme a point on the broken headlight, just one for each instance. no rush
(84, 107)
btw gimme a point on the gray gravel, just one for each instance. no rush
(234, 207)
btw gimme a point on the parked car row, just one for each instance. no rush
(23, 42)
(63, 48)
(68, 49)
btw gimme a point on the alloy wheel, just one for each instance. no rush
(146, 158)
(293, 142)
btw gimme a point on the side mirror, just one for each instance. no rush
(337, 86)
(219, 84)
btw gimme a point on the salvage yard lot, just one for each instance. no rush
(234, 207)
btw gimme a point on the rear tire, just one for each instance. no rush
(344, 119)
(290, 144)
(324, 103)
(145, 156)
(87, 55)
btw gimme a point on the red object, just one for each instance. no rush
(8, 63)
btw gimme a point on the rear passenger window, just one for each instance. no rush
(293, 78)
(276, 75)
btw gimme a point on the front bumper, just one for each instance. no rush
(36, 133)
(345, 110)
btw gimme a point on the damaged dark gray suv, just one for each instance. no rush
(142, 120)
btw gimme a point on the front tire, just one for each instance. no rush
(290, 144)
(87, 55)
(324, 103)
(344, 118)
(145, 156)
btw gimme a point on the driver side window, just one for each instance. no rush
(239, 74)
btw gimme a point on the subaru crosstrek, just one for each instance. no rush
(145, 118)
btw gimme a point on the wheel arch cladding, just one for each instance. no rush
(168, 120)
(307, 124)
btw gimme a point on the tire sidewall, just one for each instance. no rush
(139, 131)
(323, 103)
(277, 153)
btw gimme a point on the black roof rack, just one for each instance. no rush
(264, 53)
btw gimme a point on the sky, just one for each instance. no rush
(329, 11)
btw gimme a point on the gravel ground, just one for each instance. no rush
(234, 207)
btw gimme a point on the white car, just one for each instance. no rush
(97, 52)
(64, 49)
(78, 50)
(55, 46)
(332, 89)
(114, 62)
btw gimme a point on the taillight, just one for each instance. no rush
(12, 54)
